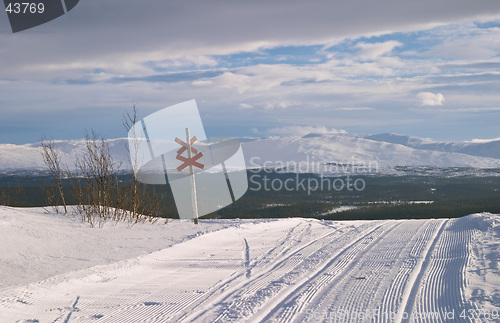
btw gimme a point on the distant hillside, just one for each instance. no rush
(481, 149)
(350, 149)
(386, 150)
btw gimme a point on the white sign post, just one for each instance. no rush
(193, 181)
(210, 176)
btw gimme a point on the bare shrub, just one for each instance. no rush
(143, 204)
(96, 182)
(96, 186)
(102, 196)
(54, 192)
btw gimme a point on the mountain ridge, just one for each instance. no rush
(485, 148)
(384, 149)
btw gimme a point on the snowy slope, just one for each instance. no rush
(274, 270)
(329, 148)
(28, 156)
(37, 244)
(483, 148)
(350, 149)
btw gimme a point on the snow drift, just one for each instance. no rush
(260, 270)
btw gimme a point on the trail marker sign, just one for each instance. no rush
(210, 176)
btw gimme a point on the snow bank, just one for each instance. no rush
(259, 270)
(37, 244)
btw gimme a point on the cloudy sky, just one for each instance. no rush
(258, 68)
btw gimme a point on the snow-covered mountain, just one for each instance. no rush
(28, 156)
(350, 149)
(384, 150)
(486, 148)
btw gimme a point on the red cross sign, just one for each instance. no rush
(188, 161)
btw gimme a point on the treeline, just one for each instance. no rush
(384, 197)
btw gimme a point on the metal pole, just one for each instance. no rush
(193, 182)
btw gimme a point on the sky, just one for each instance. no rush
(257, 68)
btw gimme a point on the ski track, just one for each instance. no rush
(444, 282)
(271, 271)
(337, 267)
(397, 295)
(239, 301)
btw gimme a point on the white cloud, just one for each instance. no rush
(374, 50)
(245, 106)
(214, 28)
(482, 141)
(281, 105)
(195, 60)
(430, 99)
(456, 110)
(303, 130)
(199, 41)
(355, 109)
(202, 82)
(465, 41)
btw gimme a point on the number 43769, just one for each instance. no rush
(25, 7)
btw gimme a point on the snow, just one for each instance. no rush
(28, 156)
(352, 150)
(37, 244)
(57, 269)
(475, 147)
(386, 150)
(340, 209)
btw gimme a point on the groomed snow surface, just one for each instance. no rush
(56, 269)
